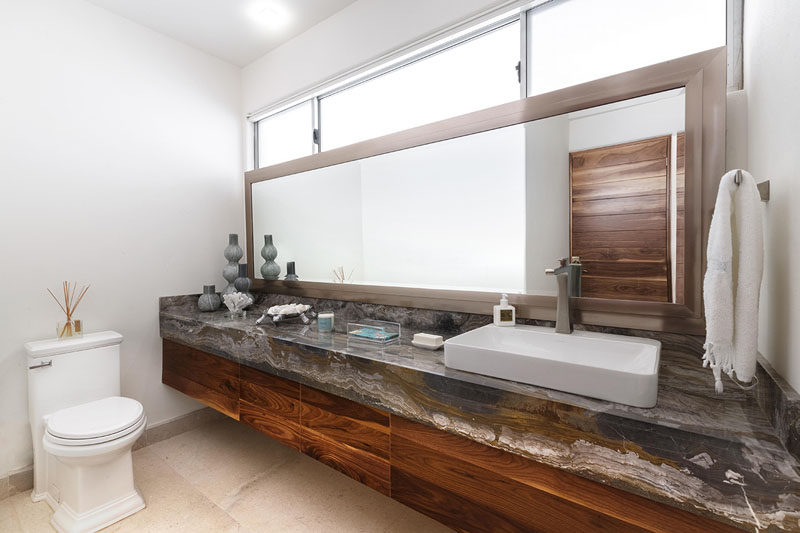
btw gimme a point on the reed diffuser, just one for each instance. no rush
(70, 327)
(339, 275)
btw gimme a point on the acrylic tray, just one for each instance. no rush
(373, 332)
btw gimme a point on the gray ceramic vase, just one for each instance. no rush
(270, 269)
(242, 283)
(209, 300)
(233, 252)
(291, 275)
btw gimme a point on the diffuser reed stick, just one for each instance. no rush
(71, 327)
(339, 275)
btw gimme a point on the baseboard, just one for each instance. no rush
(15, 482)
(22, 479)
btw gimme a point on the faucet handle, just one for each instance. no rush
(563, 261)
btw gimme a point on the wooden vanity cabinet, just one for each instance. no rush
(271, 405)
(208, 378)
(459, 482)
(348, 436)
(345, 435)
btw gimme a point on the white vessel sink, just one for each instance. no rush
(609, 367)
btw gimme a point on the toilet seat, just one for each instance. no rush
(95, 422)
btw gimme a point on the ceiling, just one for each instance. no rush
(226, 28)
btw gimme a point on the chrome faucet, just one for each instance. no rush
(563, 311)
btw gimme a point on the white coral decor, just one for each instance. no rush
(288, 309)
(236, 301)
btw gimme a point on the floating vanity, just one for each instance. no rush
(485, 454)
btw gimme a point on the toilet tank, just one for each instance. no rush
(69, 372)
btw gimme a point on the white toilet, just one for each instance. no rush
(83, 432)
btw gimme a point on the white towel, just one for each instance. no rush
(733, 280)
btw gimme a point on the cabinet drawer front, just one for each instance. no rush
(271, 405)
(369, 469)
(208, 378)
(347, 422)
(456, 492)
(277, 427)
(268, 382)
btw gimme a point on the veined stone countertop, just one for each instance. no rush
(715, 455)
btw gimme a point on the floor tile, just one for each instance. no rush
(222, 458)
(8, 517)
(305, 495)
(226, 477)
(172, 503)
(33, 517)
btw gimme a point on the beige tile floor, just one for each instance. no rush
(227, 477)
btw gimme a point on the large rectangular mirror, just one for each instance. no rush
(491, 211)
(609, 174)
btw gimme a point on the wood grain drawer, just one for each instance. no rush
(346, 421)
(271, 405)
(348, 436)
(369, 469)
(208, 378)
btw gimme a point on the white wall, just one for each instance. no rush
(547, 200)
(120, 160)
(627, 121)
(314, 218)
(449, 214)
(772, 84)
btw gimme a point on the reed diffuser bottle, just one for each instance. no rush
(70, 326)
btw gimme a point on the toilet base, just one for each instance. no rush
(65, 520)
(90, 487)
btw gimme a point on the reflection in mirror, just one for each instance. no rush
(491, 211)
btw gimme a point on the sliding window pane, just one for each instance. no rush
(286, 135)
(474, 75)
(575, 41)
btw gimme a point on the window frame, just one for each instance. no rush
(331, 87)
(413, 59)
(313, 117)
(437, 44)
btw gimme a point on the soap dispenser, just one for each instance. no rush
(504, 314)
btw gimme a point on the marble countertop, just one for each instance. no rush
(715, 455)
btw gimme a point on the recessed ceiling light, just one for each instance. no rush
(271, 15)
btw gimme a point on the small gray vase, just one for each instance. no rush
(270, 269)
(242, 283)
(291, 275)
(209, 300)
(233, 252)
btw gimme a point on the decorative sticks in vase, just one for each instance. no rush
(71, 327)
(339, 275)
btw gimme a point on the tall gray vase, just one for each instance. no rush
(242, 283)
(233, 252)
(270, 269)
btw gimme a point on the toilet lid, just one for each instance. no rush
(95, 419)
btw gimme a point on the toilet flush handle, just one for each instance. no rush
(42, 365)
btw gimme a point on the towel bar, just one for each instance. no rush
(763, 187)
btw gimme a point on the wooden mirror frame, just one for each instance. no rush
(704, 77)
